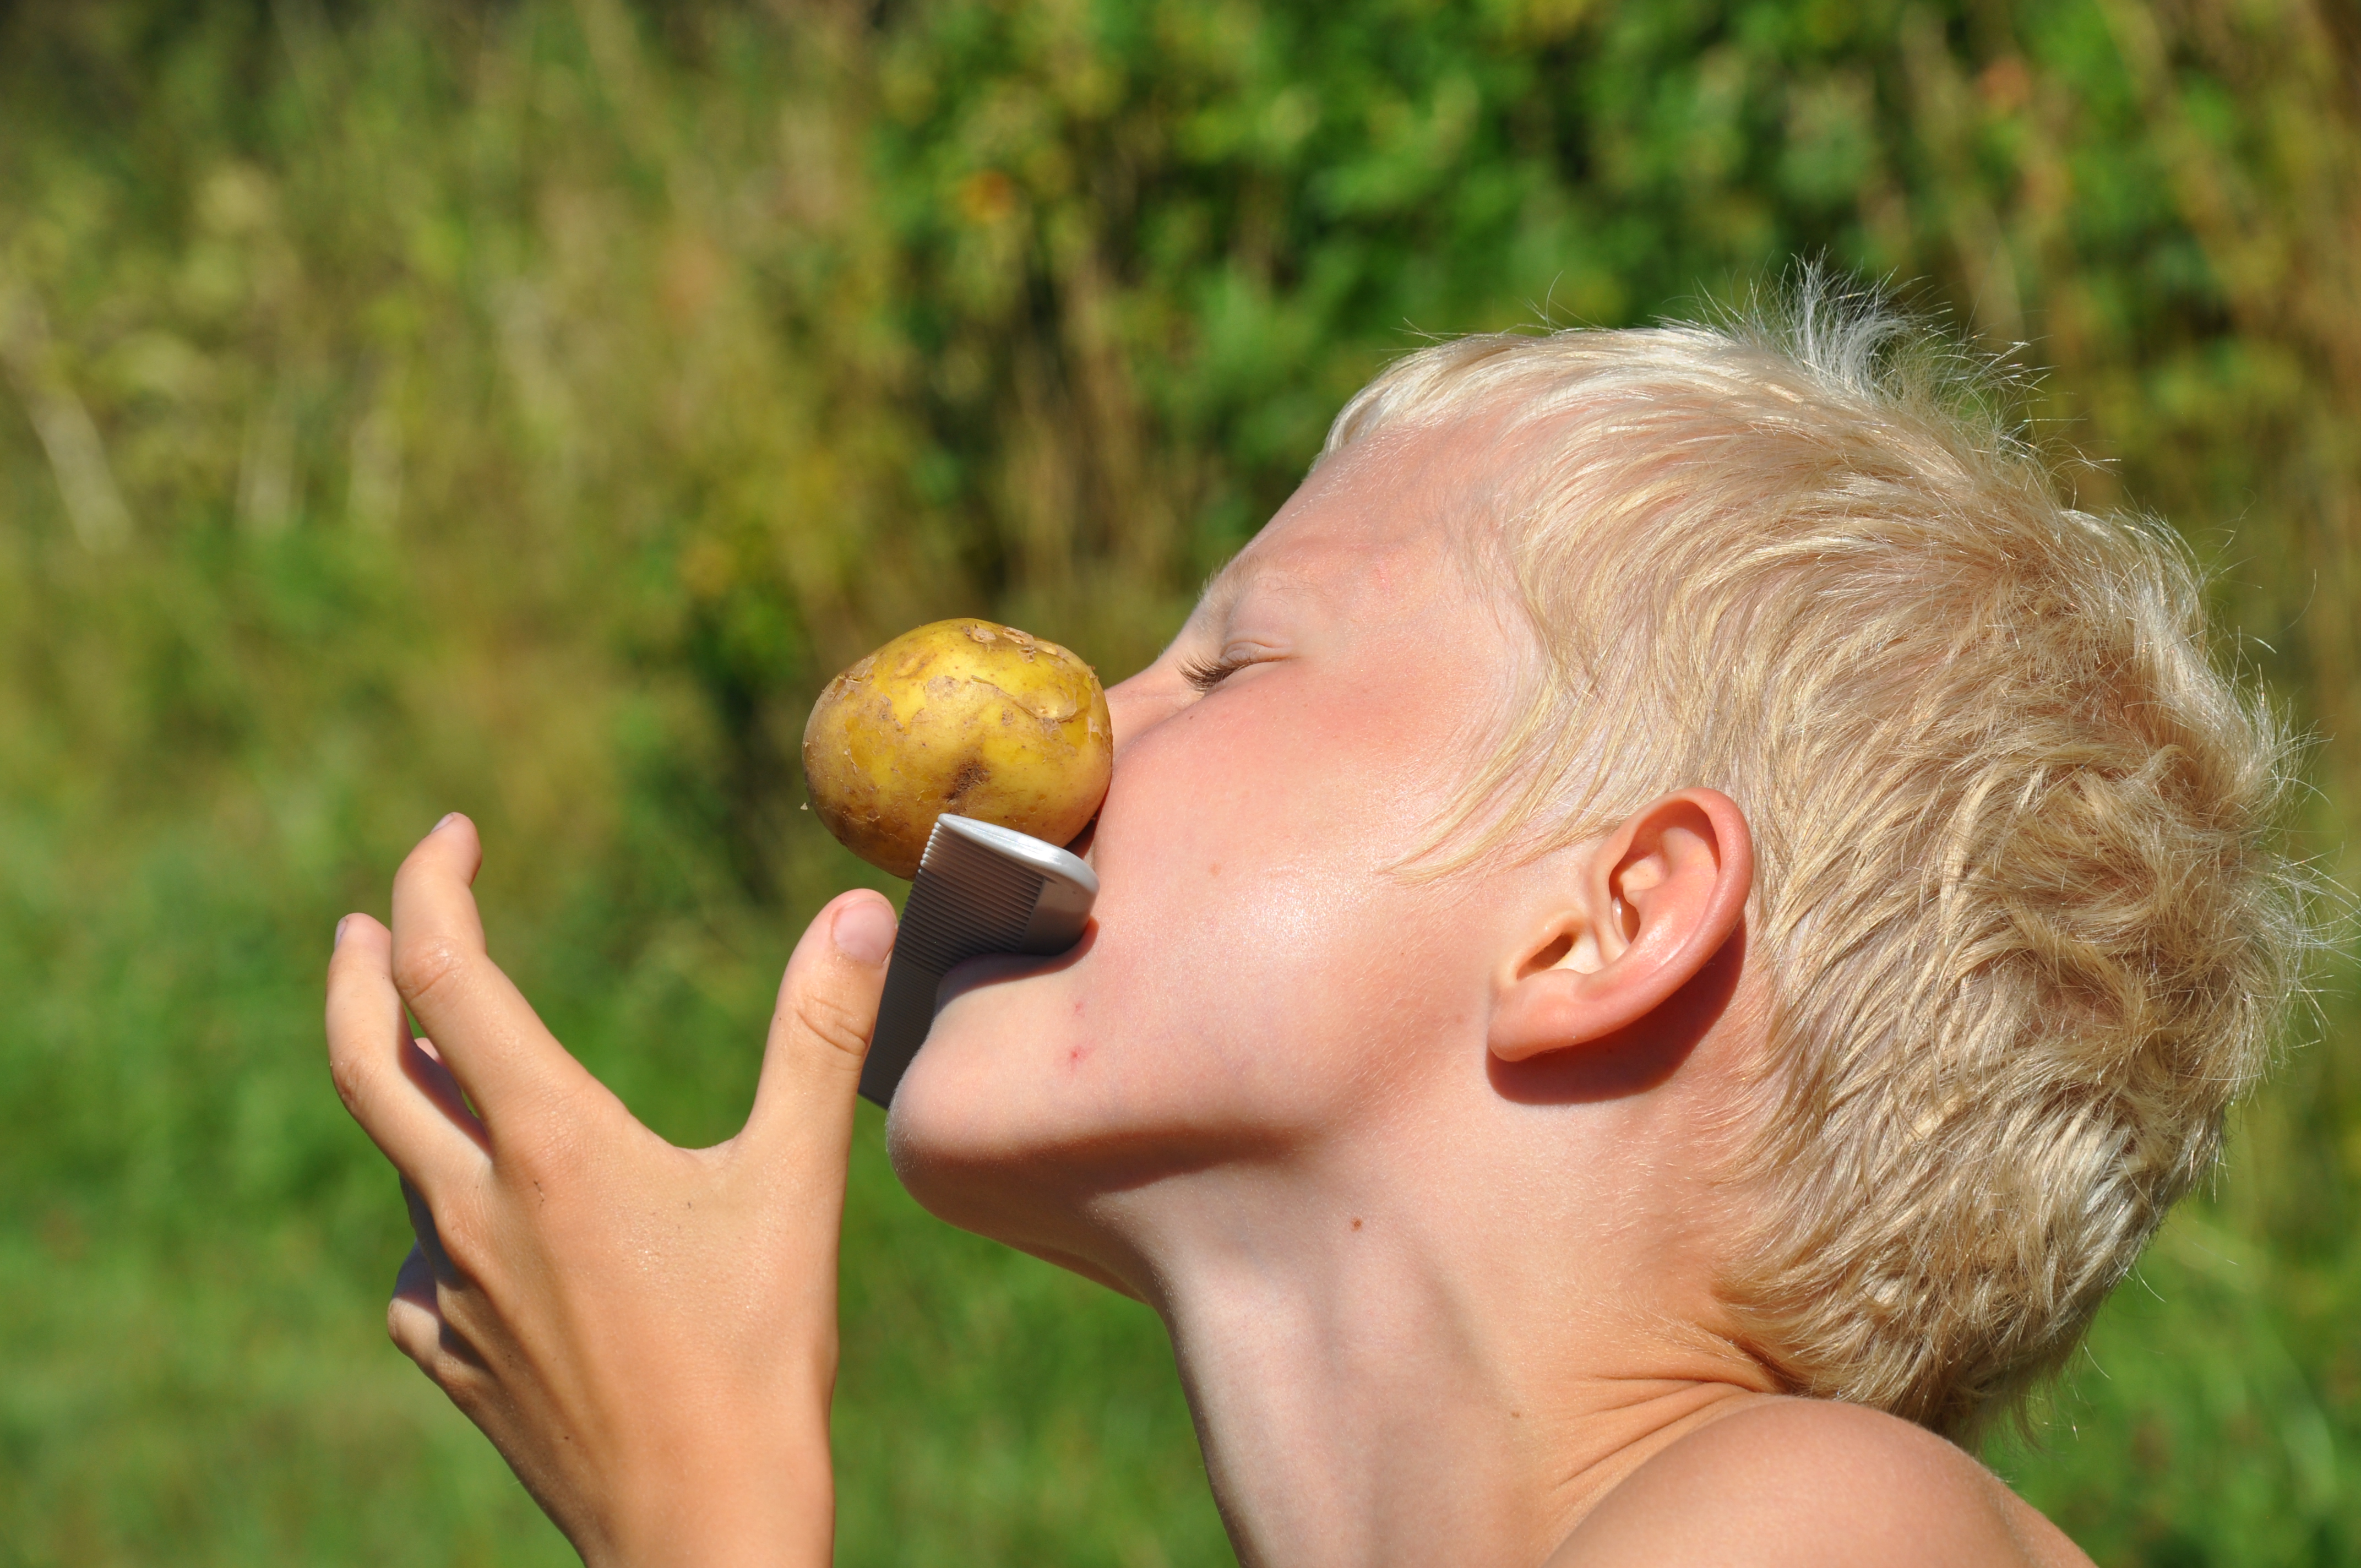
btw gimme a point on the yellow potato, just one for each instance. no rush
(965, 716)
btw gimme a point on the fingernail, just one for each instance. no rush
(340, 930)
(864, 930)
(448, 819)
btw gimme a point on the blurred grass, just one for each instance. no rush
(522, 407)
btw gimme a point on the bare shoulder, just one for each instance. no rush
(1809, 1481)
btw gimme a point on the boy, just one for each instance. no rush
(1670, 929)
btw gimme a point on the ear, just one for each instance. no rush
(1654, 903)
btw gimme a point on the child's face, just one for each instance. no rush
(1256, 980)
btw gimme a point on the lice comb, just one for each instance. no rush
(980, 889)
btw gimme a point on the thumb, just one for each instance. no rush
(826, 1013)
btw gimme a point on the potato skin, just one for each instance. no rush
(963, 715)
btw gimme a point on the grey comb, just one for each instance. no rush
(980, 889)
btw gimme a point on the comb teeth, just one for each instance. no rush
(980, 889)
(964, 901)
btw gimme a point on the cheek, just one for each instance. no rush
(1254, 962)
(1284, 767)
(1240, 828)
(1250, 923)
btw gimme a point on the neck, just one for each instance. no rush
(1381, 1377)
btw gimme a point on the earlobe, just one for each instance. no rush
(1656, 900)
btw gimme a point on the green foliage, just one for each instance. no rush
(522, 407)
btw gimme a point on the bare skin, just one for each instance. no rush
(1420, 1173)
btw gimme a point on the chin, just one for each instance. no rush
(992, 1165)
(1016, 1119)
(978, 1123)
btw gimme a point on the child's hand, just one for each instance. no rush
(647, 1333)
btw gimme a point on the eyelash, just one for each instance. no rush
(1206, 676)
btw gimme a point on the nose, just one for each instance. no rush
(1135, 706)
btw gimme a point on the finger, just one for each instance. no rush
(425, 1068)
(414, 1321)
(411, 1320)
(430, 1239)
(820, 1027)
(372, 1059)
(487, 1034)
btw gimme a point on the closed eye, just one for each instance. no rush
(1205, 676)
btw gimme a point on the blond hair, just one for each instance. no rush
(2025, 931)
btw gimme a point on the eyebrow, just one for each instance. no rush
(1224, 590)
